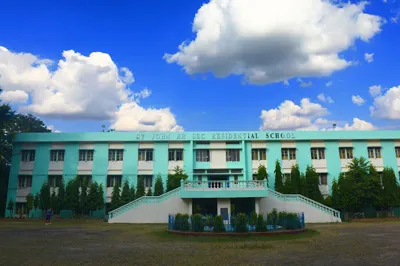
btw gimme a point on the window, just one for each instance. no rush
(285, 177)
(115, 155)
(323, 179)
(83, 178)
(55, 180)
(346, 153)
(317, 153)
(24, 181)
(254, 176)
(145, 155)
(113, 180)
(175, 155)
(57, 155)
(397, 149)
(86, 155)
(288, 154)
(236, 178)
(258, 154)
(28, 156)
(202, 143)
(147, 180)
(232, 142)
(232, 155)
(374, 153)
(202, 155)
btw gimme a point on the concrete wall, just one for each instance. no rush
(153, 212)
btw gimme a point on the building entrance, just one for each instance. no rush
(204, 206)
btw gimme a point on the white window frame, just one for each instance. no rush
(233, 155)
(317, 153)
(320, 175)
(258, 154)
(145, 155)
(288, 154)
(52, 180)
(374, 152)
(175, 155)
(347, 153)
(28, 155)
(115, 155)
(25, 183)
(112, 180)
(147, 179)
(202, 155)
(86, 155)
(57, 155)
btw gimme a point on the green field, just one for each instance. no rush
(81, 242)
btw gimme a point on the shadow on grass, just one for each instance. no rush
(166, 236)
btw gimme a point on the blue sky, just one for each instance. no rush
(137, 35)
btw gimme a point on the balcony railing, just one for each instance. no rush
(224, 185)
(224, 189)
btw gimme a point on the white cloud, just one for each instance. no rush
(268, 42)
(329, 83)
(79, 87)
(358, 124)
(369, 57)
(387, 105)
(357, 100)
(375, 90)
(290, 116)
(52, 128)
(286, 83)
(304, 84)
(16, 96)
(324, 98)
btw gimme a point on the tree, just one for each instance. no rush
(125, 194)
(312, 185)
(140, 188)
(174, 180)
(149, 192)
(83, 198)
(295, 179)
(10, 207)
(36, 201)
(132, 193)
(54, 202)
(158, 186)
(335, 195)
(278, 176)
(115, 197)
(262, 173)
(44, 197)
(29, 202)
(287, 185)
(92, 196)
(391, 197)
(72, 195)
(61, 197)
(100, 197)
(303, 185)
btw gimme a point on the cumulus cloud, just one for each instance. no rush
(357, 100)
(16, 96)
(325, 99)
(265, 41)
(375, 90)
(329, 83)
(52, 128)
(80, 87)
(289, 116)
(369, 57)
(305, 117)
(387, 105)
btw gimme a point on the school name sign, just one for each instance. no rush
(224, 136)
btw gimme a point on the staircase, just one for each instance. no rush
(150, 203)
(313, 211)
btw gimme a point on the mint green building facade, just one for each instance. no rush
(222, 159)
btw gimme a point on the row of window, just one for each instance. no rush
(323, 178)
(203, 155)
(25, 181)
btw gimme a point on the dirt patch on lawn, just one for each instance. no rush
(97, 243)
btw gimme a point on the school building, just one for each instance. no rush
(220, 167)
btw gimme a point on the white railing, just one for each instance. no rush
(301, 198)
(143, 200)
(225, 185)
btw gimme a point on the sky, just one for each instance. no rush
(219, 65)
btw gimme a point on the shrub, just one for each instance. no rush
(219, 224)
(210, 221)
(185, 222)
(253, 219)
(241, 223)
(289, 221)
(178, 221)
(261, 226)
(272, 218)
(197, 223)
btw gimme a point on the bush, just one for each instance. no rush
(210, 221)
(181, 222)
(272, 218)
(241, 225)
(289, 221)
(197, 223)
(253, 219)
(261, 226)
(178, 222)
(219, 224)
(185, 222)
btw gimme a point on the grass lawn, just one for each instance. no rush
(80, 242)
